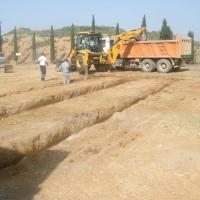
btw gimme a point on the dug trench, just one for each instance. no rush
(26, 96)
(13, 104)
(35, 130)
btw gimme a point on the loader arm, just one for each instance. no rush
(123, 38)
(71, 54)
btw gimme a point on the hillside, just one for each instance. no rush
(62, 41)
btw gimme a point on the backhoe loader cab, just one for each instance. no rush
(88, 50)
(93, 42)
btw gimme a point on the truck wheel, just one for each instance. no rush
(80, 67)
(148, 65)
(102, 68)
(164, 66)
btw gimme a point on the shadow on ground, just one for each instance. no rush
(14, 184)
(91, 72)
(8, 157)
(181, 70)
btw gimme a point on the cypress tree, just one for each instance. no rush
(117, 31)
(52, 46)
(191, 35)
(166, 32)
(93, 24)
(72, 36)
(15, 50)
(1, 40)
(144, 23)
(33, 48)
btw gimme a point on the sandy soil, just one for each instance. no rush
(145, 145)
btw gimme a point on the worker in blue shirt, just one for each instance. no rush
(64, 67)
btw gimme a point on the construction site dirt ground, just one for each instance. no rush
(115, 136)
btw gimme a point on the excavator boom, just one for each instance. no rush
(123, 38)
(134, 34)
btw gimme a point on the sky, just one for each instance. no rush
(181, 15)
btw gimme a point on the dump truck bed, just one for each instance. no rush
(152, 49)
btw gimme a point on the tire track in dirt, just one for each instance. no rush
(35, 130)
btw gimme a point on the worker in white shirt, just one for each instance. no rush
(42, 60)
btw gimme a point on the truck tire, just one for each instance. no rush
(148, 65)
(80, 67)
(164, 66)
(102, 68)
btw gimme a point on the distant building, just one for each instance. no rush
(186, 45)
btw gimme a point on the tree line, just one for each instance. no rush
(165, 34)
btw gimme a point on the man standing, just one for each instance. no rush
(64, 67)
(43, 64)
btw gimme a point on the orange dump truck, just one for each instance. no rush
(163, 55)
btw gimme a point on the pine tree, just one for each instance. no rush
(15, 50)
(93, 24)
(52, 46)
(166, 32)
(191, 35)
(144, 23)
(33, 48)
(1, 40)
(72, 36)
(117, 31)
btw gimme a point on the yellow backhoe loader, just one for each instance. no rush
(89, 49)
